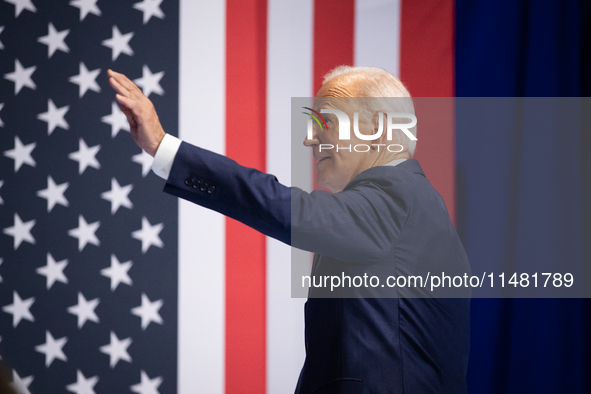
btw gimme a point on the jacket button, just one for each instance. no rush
(188, 182)
(211, 189)
(203, 186)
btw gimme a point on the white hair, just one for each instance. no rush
(379, 84)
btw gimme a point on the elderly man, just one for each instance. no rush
(382, 217)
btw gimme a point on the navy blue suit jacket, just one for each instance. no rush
(387, 221)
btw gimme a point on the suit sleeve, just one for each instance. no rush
(356, 225)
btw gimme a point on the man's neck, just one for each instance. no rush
(395, 162)
(395, 158)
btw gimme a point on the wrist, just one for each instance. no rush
(165, 155)
(157, 143)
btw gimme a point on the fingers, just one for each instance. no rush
(126, 102)
(124, 81)
(126, 111)
(132, 101)
(118, 87)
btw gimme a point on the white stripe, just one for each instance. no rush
(377, 34)
(201, 231)
(289, 74)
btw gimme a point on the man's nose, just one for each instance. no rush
(311, 141)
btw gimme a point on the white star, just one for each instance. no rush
(54, 117)
(1, 200)
(54, 271)
(148, 234)
(1, 45)
(21, 154)
(117, 120)
(86, 80)
(83, 385)
(54, 40)
(150, 8)
(21, 231)
(85, 233)
(150, 83)
(21, 385)
(19, 309)
(117, 272)
(21, 5)
(117, 350)
(1, 260)
(84, 310)
(52, 348)
(86, 7)
(85, 156)
(118, 196)
(148, 311)
(147, 385)
(1, 106)
(119, 43)
(21, 77)
(54, 194)
(145, 160)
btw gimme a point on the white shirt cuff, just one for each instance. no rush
(165, 154)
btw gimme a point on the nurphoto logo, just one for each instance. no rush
(345, 128)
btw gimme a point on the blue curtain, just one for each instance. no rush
(526, 48)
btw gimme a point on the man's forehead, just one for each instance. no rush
(344, 104)
(337, 93)
(339, 86)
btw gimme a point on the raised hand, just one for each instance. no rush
(142, 117)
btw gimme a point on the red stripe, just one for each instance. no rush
(246, 69)
(334, 25)
(427, 69)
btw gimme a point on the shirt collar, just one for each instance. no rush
(394, 163)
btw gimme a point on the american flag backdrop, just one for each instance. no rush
(89, 246)
(109, 285)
